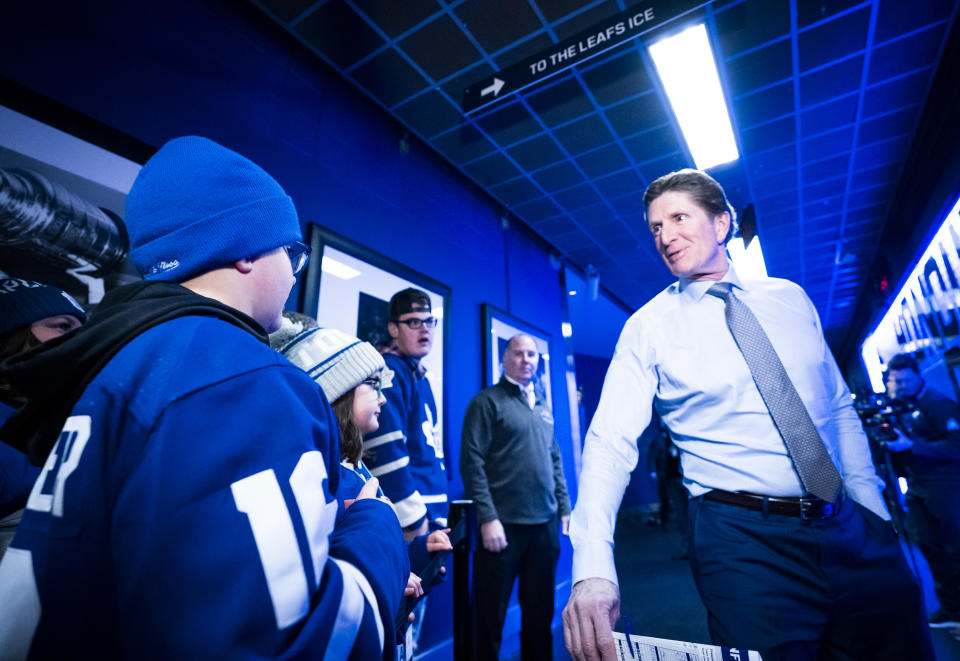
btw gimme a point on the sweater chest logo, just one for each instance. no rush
(546, 416)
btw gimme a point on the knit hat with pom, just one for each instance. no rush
(337, 361)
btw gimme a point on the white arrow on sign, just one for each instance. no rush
(494, 88)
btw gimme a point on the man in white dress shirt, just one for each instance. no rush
(780, 570)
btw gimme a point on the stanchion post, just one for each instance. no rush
(464, 622)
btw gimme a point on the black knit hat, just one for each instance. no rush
(23, 302)
(409, 300)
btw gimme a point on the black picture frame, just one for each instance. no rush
(498, 327)
(325, 243)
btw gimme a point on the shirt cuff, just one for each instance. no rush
(872, 499)
(593, 559)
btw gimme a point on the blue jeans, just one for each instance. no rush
(836, 588)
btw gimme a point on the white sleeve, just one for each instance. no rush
(860, 478)
(610, 453)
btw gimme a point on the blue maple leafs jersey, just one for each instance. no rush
(186, 512)
(406, 452)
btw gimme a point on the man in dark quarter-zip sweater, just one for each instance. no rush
(511, 467)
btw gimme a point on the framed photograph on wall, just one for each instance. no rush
(498, 328)
(64, 180)
(348, 286)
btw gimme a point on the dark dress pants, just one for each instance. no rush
(837, 588)
(531, 554)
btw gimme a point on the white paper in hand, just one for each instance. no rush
(645, 648)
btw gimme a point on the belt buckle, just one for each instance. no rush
(807, 507)
(811, 509)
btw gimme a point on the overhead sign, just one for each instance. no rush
(626, 25)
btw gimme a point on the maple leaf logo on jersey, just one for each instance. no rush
(431, 433)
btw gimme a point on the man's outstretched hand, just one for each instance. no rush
(588, 620)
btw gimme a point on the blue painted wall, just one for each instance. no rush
(596, 327)
(596, 324)
(162, 69)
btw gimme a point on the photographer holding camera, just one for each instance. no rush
(930, 433)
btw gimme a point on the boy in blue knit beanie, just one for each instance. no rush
(199, 214)
(186, 496)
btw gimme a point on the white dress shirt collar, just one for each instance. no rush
(526, 390)
(694, 290)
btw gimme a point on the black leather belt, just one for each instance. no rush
(804, 508)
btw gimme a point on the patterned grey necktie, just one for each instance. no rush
(816, 470)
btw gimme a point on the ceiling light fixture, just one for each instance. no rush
(338, 269)
(688, 71)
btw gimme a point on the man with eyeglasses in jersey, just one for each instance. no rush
(406, 452)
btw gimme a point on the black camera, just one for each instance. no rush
(882, 416)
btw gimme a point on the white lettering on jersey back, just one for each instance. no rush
(260, 498)
(318, 515)
(62, 461)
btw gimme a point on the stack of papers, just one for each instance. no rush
(645, 648)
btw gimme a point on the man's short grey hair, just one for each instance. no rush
(706, 192)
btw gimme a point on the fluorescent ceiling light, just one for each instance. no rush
(748, 262)
(566, 329)
(688, 72)
(338, 269)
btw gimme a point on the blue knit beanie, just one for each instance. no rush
(23, 302)
(197, 206)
